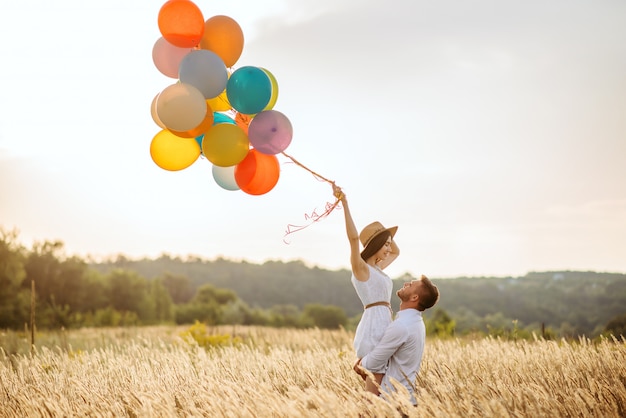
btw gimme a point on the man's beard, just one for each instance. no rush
(403, 296)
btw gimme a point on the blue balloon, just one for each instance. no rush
(204, 70)
(222, 118)
(249, 90)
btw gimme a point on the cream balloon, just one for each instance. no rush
(181, 107)
(155, 117)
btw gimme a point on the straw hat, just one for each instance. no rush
(370, 231)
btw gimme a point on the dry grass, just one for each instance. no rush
(152, 372)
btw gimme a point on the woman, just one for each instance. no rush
(372, 285)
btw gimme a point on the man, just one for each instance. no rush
(402, 345)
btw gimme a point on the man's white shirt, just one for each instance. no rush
(402, 347)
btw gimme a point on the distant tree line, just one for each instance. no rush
(550, 304)
(559, 304)
(69, 293)
(72, 292)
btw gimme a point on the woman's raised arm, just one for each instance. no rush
(359, 267)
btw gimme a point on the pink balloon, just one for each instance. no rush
(270, 132)
(167, 57)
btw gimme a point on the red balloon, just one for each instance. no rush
(258, 173)
(181, 23)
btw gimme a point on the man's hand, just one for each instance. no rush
(358, 369)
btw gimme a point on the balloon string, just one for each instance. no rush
(307, 169)
(314, 216)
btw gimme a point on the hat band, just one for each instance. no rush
(378, 231)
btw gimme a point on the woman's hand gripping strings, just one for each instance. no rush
(337, 192)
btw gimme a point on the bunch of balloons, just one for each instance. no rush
(211, 109)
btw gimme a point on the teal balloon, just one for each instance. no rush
(249, 90)
(199, 140)
(222, 118)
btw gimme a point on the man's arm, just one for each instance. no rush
(395, 335)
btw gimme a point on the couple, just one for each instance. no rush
(390, 349)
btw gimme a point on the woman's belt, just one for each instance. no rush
(382, 303)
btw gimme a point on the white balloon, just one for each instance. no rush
(225, 177)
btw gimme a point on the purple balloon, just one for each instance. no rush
(270, 132)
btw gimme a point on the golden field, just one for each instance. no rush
(263, 372)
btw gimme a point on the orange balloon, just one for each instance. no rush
(243, 121)
(173, 153)
(181, 23)
(224, 36)
(258, 173)
(204, 126)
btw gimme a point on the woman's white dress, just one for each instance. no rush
(374, 321)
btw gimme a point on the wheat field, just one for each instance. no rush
(263, 372)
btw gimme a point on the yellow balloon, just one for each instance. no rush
(173, 153)
(225, 145)
(220, 103)
(274, 96)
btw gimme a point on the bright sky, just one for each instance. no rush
(493, 132)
